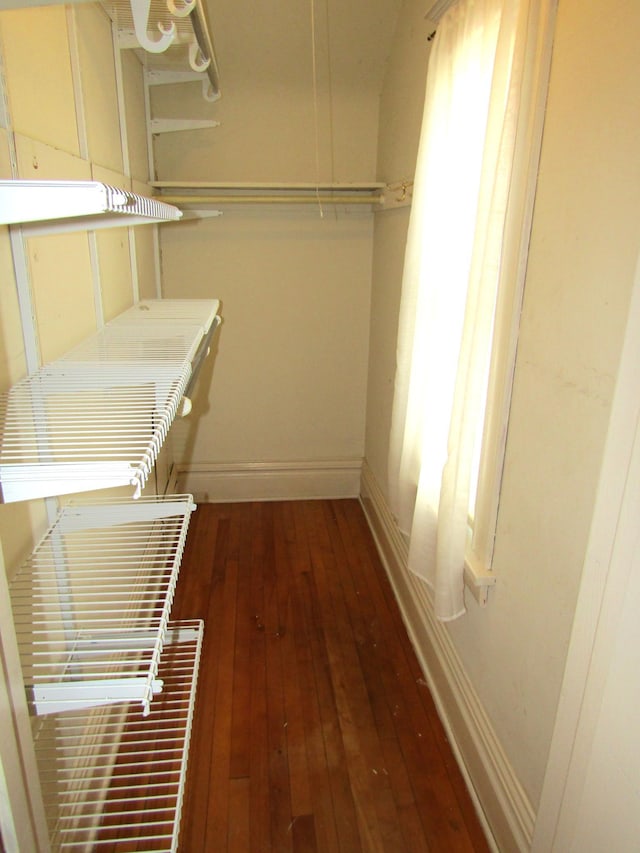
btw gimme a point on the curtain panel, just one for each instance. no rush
(478, 90)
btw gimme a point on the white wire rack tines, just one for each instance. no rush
(91, 606)
(98, 416)
(113, 780)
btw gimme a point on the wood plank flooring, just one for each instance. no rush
(314, 731)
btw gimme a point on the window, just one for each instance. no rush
(462, 284)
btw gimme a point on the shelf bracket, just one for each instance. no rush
(171, 125)
(54, 698)
(158, 77)
(167, 77)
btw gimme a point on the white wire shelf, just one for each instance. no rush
(113, 780)
(97, 417)
(185, 56)
(52, 206)
(91, 605)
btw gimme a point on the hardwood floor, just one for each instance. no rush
(314, 731)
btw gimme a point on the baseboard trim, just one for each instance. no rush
(501, 802)
(264, 481)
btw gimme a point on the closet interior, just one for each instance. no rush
(168, 163)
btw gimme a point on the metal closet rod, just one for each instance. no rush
(307, 198)
(271, 192)
(355, 186)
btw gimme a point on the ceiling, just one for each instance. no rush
(269, 43)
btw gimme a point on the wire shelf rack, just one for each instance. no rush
(98, 416)
(191, 30)
(49, 206)
(113, 780)
(91, 605)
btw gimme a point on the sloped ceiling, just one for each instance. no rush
(270, 43)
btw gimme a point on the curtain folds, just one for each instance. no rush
(450, 284)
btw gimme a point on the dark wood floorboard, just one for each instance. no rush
(314, 731)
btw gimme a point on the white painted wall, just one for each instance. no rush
(583, 252)
(582, 261)
(289, 382)
(270, 115)
(608, 809)
(590, 796)
(289, 378)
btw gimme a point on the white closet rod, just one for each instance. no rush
(308, 198)
(350, 186)
(271, 192)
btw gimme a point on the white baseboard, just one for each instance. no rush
(501, 802)
(249, 481)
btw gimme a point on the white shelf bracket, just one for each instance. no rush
(172, 125)
(140, 10)
(158, 77)
(201, 213)
(166, 77)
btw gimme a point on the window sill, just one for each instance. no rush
(478, 579)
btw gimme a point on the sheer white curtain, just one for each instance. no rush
(450, 282)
